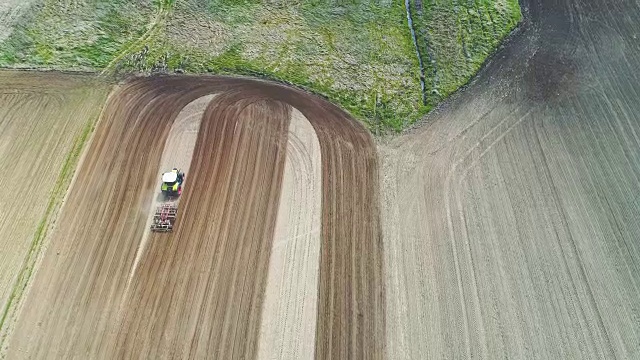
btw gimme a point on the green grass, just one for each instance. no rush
(74, 34)
(334, 50)
(359, 54)
(455, 37)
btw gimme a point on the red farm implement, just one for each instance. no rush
(164, 218)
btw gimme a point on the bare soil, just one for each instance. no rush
(42, 118)
(199, 291)
(509, 228)
(177, 153)
(511, 217)
(289, 311)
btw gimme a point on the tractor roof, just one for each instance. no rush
(169, 177)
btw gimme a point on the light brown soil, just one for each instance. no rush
(181, 141)
(290, 306)
(240, 160)
(198, 292)
(42, 117)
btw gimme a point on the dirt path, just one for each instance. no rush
(289, 311)
(511, 218)
(198, 292)
(35, 110)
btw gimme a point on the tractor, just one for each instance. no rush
(165, 215)
(172, 183)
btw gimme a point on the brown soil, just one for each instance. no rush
(42, 117)
(198, 292)
(511, 218)
(178, 153)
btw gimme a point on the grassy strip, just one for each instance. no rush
(455, 38)
(164, 7)
(359, 54)
(75, 35)
(335, 50)
(57, 195)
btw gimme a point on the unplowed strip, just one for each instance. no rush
(351, 323)
(290, 308)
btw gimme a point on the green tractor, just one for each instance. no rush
(172, 183)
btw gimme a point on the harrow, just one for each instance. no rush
(164, 218)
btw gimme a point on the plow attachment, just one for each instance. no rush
(164, 218)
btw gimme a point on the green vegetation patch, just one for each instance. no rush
(75, 34)
(455, 37)
(360, 54)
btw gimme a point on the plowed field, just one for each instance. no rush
(44, 120)
(103, 292)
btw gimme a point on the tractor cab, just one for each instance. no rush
(172, 183)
